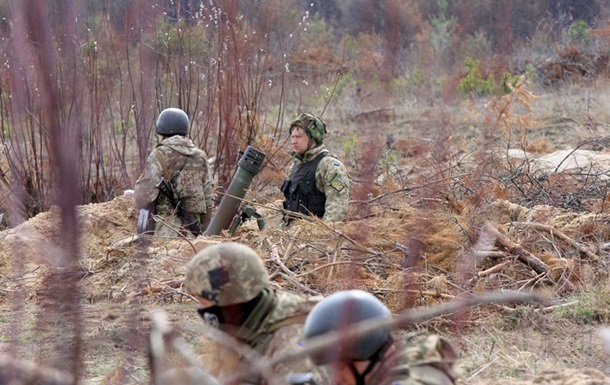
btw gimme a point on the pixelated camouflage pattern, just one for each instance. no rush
(289, 305)
(419, 361)
(226, 273)
(279, 332)
(193, 185)
(312, 125)
(332, 179)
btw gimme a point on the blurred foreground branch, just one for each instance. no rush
(404, 319)
(17, 372)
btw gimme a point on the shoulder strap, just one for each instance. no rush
(161, 161)
(166, 175)
(321, 155)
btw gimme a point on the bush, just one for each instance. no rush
(475, 83)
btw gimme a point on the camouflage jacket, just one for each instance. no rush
(426, 361)
(187, 167)
(272, 333)
(332, 179)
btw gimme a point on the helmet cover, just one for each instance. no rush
(226, 274)
(312, 125)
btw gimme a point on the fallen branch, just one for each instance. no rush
(161, 286)
(327, 265)
(275, 257)
(553, 231)
(549, 309)
(433, 294)
(284, 272)
(291, 243)
(493, 269)
(525, 256)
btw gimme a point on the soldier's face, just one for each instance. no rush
(299, 140)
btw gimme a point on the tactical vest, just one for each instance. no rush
(302, 195)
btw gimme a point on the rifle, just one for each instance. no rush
(189, 221)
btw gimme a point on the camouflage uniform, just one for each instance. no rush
(192, 185)
(273, 333)
(269, 320)
(332, 179)
(428, 361)
(375, 358)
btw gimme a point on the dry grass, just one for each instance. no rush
(440, 180)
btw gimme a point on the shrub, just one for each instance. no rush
(474, 82)
(579, 32)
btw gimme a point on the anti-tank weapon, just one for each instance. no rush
(249, 164)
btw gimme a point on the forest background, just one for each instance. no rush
(424, 101)
(93, 76)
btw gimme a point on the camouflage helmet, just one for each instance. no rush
(226, 274)
(172, 121)
(312, 125)
(340, 310)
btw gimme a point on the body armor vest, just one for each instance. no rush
(300, 190)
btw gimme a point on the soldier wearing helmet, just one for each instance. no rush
(184, 168)
(232, 285)
(317, 183)
(375, 358)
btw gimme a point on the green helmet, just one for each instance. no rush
(172, 121)
(340, 310)
(312, 125)
(226, 274)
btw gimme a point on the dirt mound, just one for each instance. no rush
(405, 255)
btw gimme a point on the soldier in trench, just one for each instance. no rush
(176, 183)
(318, 183)
(231, 283)
(375, 358)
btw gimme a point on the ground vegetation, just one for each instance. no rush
(476, 139)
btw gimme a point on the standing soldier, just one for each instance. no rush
(232, 285)
(375, 358)
(176, 182)
(318, 183)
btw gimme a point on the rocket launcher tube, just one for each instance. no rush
(248, 166)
